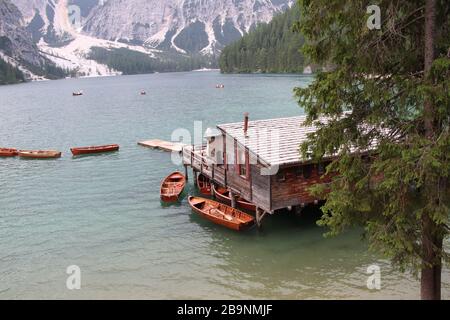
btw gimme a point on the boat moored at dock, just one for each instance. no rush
(223, 195)
(221, 214)
(172, 187)
(94, 149)
(204, 185)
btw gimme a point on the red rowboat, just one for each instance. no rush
(5, 152)
(221, 214)
(224, 195)
(39, 154)
(204, 185)
(94, 149)
(172, 187)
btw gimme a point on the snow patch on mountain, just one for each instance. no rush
(148, 26)
(75, 55)
(155, 22)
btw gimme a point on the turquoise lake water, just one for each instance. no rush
(103, 213)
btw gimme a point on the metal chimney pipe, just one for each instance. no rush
(246, 123)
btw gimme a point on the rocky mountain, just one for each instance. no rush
(17, 48)
(67, 30)
(189, 26)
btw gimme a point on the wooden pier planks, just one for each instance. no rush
(162, 145)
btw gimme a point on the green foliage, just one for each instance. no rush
(10, 74)
(47, 70)
(133, 62)
(375, 96)
(272, 47)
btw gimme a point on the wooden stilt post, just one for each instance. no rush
(195, 178)
(233, 199)
(212, 190)
(186, 173)
(259, 216)
(298, 211)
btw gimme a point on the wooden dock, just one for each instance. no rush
(163, 145)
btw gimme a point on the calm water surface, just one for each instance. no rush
(103, 213)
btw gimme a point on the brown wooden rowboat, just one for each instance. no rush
(172, 187)
(204, 185)
(221, 214)
(39, 154)
(5, 152)
(94, 149)
(224, 195)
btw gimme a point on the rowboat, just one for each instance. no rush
(39, 154)
(5, 152)
(204, 185)
(94, 149)
(224, 195)
(172, 187)
(221, 214)
(78, 93)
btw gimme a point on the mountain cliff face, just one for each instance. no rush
(49, 20)
(16, 45)
(152, 27)
(14, 38)
(186, 25)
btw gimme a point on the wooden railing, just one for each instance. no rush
(194, 156)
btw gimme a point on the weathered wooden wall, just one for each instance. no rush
(238, 184)
(260, 188)
(293, 190)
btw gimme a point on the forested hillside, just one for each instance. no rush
(271, 47)
(132, 62)
(9, 74)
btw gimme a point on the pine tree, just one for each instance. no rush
(388, 104)
(267, 48)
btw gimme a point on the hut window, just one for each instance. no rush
(243, 163)
(307, 171)
(242, 170)
(281, 176)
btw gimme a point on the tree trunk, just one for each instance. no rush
(431, 241)
(430, 287)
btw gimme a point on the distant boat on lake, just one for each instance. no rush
(7, 152)
(77, 93)
(94, 149)
(40, 154)
(143, 93)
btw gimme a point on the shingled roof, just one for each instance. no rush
(274, 141)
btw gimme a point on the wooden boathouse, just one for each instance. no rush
(259, 161)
